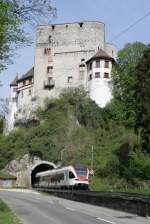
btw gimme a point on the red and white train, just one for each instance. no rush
(73, 177)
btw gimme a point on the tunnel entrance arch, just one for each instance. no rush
(40, 167)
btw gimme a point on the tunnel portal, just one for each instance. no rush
(40, 167)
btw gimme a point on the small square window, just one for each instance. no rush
(53, 27)
(50, 79)
(81, 25)
(70, 79)
(14, 89)
(97, 74)
(106, 64)
(49, 69)
(30, 81)
(97, 64)
(106, 75)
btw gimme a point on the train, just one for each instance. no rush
(69, 177)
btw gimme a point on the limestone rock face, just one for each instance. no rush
(21, 164)
(21, 168)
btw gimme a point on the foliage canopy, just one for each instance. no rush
(14, 14)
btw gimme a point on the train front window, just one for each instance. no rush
(81, 171)
(71, 175)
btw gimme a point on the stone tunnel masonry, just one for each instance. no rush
(40, 167)
(25, 169)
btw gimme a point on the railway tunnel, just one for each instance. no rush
(40, 167)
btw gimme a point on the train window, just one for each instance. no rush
(57, 177)
(71, 175)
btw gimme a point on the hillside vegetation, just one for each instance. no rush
(68, 127)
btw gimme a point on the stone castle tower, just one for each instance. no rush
(66, 56)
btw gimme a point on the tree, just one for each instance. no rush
(4, 107)
(1, 124)
(14, 14)
(124, 81)
(142, 99)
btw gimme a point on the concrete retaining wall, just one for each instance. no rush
(131, 203)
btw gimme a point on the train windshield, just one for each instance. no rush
(81, 171)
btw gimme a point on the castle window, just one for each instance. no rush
(50, 39)
(112, 53)
(50, 79)
(14, 89)
(106, 64)
(81, 25)
(53, 27)
(24, 82)
(47, 51)
(90, 77)
(82, 59)
(70, 79)
(82, 67)
(97, 74)
(49, 69)
(29, 92)
(30, 81)
(106, 75)
(90, 66)
(97, 64)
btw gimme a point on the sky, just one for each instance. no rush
(116, 14)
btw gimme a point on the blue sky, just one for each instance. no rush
(116, 14)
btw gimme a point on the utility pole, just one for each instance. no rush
(92, 157)
(61, 154)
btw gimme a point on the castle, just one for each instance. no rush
(67, 55)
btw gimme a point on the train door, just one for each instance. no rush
(66, 178)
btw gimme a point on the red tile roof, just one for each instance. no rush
(101, 54)
(28, 75)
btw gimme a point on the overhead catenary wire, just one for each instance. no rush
(130, 27)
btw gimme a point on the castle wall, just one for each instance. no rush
(111, 50)
(9, 125)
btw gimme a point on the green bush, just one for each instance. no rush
(73, 123)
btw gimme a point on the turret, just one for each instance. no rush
(99, 77)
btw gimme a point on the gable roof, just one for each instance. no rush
(29, 74)
(101, 54)
(14, 82)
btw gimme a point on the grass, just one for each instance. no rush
(6, 216)
(116, 185)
